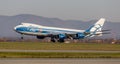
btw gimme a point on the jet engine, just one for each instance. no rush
(80, 35)
(62, 36)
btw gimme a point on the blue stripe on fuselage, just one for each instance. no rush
(42, 30)
(56, 30)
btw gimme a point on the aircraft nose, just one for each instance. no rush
(15, 28)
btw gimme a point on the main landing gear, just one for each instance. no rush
(22, 36)
(57, 40)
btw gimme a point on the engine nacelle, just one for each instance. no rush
(80, 35)
(40, 37)
(61, 36)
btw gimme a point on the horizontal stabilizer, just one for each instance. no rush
(103, 33)
(105, 30)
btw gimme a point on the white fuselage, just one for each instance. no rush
(34, 29)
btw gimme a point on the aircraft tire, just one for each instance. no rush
(61, 40)
(53, 40)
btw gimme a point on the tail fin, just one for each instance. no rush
(97, 27)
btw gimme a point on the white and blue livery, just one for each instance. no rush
(60, 34)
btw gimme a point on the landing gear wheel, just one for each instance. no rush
(61, 40)
(53, 40)
(22, 36)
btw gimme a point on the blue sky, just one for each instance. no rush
(64, 9)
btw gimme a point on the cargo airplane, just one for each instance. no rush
(60, 34)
